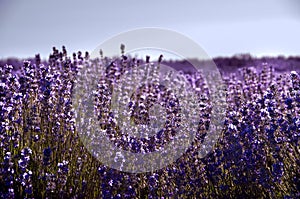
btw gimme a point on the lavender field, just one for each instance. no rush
(256, 156)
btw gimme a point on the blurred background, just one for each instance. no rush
(221, 28)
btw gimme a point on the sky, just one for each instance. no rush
(221, 28)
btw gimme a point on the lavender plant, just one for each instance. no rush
(42, 155)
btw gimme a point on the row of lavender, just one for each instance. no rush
(258, 154)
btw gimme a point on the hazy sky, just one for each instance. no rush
(222, 28)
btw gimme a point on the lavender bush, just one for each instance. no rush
(41, 156)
